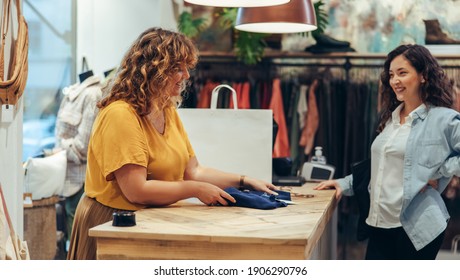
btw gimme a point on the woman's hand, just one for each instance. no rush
(431, 184)
(259, 185)
(329, 184)
(212, 195)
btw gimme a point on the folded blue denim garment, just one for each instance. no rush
(257, 199)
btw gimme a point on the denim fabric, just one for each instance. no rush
(257, 199)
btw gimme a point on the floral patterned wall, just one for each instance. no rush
(381, 25)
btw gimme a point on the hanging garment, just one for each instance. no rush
(255, 94)
(290, 93)
(73, 128)
(245, 102)
(237, 87)
(189, 97)
(265, 95)
(331, 97)
(204, 100)
(294, 128)
(281, 148)
(302, 106)
(311, 121)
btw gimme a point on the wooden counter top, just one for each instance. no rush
(191, 230)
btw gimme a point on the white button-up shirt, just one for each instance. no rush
(387, 166)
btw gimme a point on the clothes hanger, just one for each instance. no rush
(86, 72)
(108, 72)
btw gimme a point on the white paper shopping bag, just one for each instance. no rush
(232, 140)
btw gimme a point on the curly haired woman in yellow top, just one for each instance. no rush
(139, 154)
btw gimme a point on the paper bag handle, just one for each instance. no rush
(215, 96)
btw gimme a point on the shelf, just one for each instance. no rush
(272, 54)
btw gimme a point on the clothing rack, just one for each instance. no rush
(346, 61)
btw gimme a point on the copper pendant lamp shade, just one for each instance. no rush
(237, 3)
(293, 17)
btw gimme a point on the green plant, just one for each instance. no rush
(249, 47)
(322, 18)
(190, 26)
(227, 17)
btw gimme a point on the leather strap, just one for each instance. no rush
(20, 247)
(10, 225)
(5, 209)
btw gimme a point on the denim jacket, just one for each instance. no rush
(432, 152)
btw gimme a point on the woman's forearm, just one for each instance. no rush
(216, 177)
(159, 193)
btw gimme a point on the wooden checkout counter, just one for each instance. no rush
(190, 230)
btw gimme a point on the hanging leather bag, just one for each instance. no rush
(13, 78)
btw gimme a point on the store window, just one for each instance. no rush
(52, 53)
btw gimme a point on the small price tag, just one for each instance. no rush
(7, 113)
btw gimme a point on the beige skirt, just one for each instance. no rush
(89, 214)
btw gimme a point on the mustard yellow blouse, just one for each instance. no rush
(122, 137)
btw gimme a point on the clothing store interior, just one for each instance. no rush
(293, 107)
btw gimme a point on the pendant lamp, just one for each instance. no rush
(293, 17)
(237, 3)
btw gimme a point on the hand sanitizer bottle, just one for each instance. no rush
(318, 157)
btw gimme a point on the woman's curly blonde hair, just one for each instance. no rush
(147, 68)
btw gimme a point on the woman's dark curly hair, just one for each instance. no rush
(147, 68)
(437, 89)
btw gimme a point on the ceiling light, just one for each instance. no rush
(237, 3)
(294, 17)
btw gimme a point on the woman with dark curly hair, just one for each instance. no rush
(139, 154)
(413, 158)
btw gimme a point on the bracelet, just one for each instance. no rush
(242, 180)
